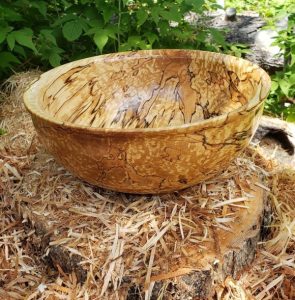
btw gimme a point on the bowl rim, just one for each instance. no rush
(31, 101)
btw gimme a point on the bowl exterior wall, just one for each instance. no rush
(151, 162)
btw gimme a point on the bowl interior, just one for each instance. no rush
(165, 88)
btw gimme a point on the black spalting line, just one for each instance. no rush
(73, 95)
(80, 112)
(136, 114)
(143, 121)
(123, 113)
(82, 104)
(171, 116)
(162, 86)
(134, 117)
(92, 85)
(80, 68)
(98, 107)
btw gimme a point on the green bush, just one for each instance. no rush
(282, 97)
(267, 9)
(48, 33)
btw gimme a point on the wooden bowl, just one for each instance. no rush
(148, 121)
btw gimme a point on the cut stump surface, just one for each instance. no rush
(227, 250)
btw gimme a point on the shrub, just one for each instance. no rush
(282, 97)
(48, 33)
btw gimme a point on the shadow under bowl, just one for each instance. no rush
(148, 121)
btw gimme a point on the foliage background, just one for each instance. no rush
(45, 34)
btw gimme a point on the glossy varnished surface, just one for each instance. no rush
(148, 121)
(149, 91)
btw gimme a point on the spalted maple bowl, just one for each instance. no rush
(148, 121)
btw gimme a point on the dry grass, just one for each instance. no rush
(125, 239)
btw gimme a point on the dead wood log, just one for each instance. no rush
(277, 140)
(279, 130)
(243, 30)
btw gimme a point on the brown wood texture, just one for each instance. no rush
(148, 121)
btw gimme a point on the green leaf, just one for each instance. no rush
(6, 59)
(142, 16)
(10, 15)
(84, 24)
(95, 23)
(10, 41)
(155, 13)
(284, 85)
(41, 6)
(164, 27)
(54, 59)
(3, 32)
(107, 13)
(171, 15)
(93, 30)
(20, 50)
(72, 30)
(201, 36)
(274, 85)
(90, 13)
(24, 38)
(291, 117)
(125, 47)
(217, 36)
(64, 19)
(151, 37)
(292, 79)
(111, 31)
(134, 40)
(100, 39)
(47, 34)
(197, 4)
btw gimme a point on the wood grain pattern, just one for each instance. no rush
(148, 121)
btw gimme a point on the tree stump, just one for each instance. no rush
(229, 253)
